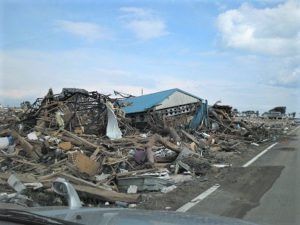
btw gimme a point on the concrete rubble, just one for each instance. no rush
(87, 139)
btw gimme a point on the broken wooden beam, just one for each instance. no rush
(190, 137)
(25, 145)
(85, 142)
(166, 143)
(106, 195)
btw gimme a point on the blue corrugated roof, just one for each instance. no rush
(145, 102)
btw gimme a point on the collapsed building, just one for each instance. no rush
(92, 140)
(173, 103)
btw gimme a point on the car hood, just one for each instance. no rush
(119, 216)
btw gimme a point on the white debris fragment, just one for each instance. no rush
(60, 120)
(112, 130)
(132, 189)
(101, 177)
(143, 135)
(35, 186)
(32, 136)
(132, 206)
(168, 189)
(255, 144)
(4, 143)
(205, 135)
(15, 183)
(180, 178)
(222, 165)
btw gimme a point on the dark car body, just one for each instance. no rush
(123, 216)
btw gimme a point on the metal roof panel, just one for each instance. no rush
(145, 102)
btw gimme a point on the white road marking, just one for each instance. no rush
(264, 151)
(293, 130)
(209, 191)
(199, 198)
(259, 155)
(212, 189)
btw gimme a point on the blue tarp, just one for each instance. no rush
(201, 116)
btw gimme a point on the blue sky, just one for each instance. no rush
(245, 53)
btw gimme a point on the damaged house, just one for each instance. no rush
(166, 104)
(276, 113)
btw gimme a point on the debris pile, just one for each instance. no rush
(86, 138)
(229, 132)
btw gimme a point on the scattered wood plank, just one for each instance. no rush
(190, 137)
(166, 143)
(105, 195)
(85, 142)
(25, 144)
(136, 172)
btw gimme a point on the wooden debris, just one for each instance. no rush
(105, 195)
(72, 143)
(82, 141)
(85, 142)
(166, 143)
(66, 146)
(25, 144)
(191, 137)
(84, 164)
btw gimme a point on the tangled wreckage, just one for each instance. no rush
(113, 149)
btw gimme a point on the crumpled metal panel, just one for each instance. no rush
(112, 130)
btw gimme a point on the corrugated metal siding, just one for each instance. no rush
(175, 99)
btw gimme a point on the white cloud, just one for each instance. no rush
(272, 34)
(284, 71)
(273, 31)
(143, 23)
(250, 95)
(89, 31)
(27, 74)
(289, 79)
(147, 29)
(136, 12)
(36, 71)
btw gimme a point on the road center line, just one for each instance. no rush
(209, 191)
(264, 151)
(259, 155)
(199, 198)
(212, 189)
(293, 130)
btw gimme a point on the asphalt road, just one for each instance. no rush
(267, 192)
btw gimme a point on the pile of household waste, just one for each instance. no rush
(85, 138)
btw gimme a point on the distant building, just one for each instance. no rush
(278, 112)
(250, 113)
(280, 109)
